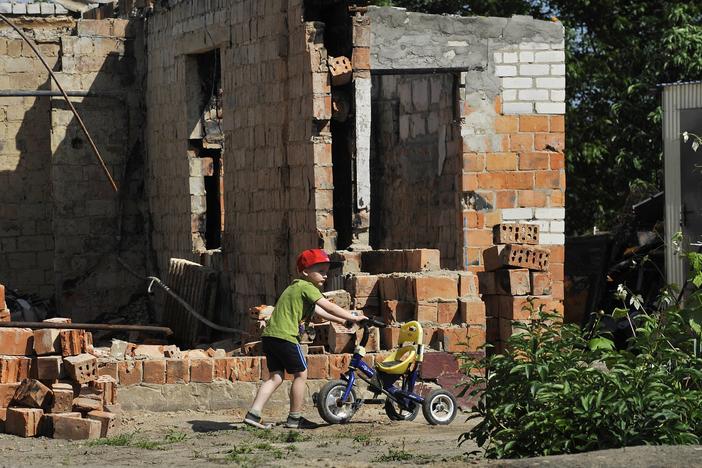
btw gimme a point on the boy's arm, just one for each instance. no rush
(332, 309)
(327, 316)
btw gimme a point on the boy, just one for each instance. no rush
(280, 339)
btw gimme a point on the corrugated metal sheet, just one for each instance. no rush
(197, 285)
(676, 96)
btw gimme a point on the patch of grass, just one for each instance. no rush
(365, 439)
(272, 436)
(323, 444)
(147, 444)
(294, 436)
(394, 456)
(174, 436)
(121, 440)
(263, 446)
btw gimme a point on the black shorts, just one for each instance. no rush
(283, 355)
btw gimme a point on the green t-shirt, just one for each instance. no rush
(295, 305)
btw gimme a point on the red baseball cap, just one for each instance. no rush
(313, 257)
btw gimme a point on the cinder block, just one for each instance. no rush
(516, 233)
(23, 422)
(341, 70)
(130, 373)
(16, 341)
(81, 368)
(32, 393)
(154, 371)
(109, 422)
(541, 283)
(523, 256)
(513, 282)
(76, 429)
(49, 367)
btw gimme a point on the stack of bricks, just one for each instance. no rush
(517, 272)
(49, 385)
(404, 285)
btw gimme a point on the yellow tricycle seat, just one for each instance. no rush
(399, 360)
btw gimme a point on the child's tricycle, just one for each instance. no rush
(338, 401)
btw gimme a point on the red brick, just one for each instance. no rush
(426, 311)
(558, 290)
(501, 161)
(222, 368)
(322, 153)
(23, 422)
(508, 327)
(447, 312)
(130, 373)
(389, 338)
(506, 124)
(478, 237)
(505, 199)
(521, 256)
(317, 366)
(515, 233)
(533, 123)
(338, 363)
(547, 179)
(397, 311)
(2, 297)
(436, 364)
(5, 315)
(430, 337)
(557, 199)
(177, 371)
(62, 401)
(46, 427)
(469, 182)
(85, 404)
(108, 368)
(473, 162)
(549, 142)
(154, 371)
(492, 329)
(434, 287)
(541, 283)
(506, 180)
(422, 260)
(76, 429)
(557, 123)
(7, 391)
(517, 308)
(472, 311)
(83, 368)
(556, 271)
(513, 282)
(49, 367)
(521, 142)
(557, 253)
(486, 282)
(533, 160)
(454, 339)
(47, 341)
(557, 161)
(361, 58)
(16, 341)
(106, 387)
(247, 369)
(9, 369)
(32, 393)
(108, 422)
(373, 340)
(201, 370)
(363, 285)
(341, 70)
(72, 342)
(472, 219)
(476, 338)
(467, 284)
(531, 199)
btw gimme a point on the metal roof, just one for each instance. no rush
(676, 83)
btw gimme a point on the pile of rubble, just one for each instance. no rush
(49, 384)
(517, 273)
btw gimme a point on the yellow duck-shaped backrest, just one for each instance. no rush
(410, 350)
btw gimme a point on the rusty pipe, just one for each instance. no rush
(88, 326)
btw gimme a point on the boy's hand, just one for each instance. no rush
(357, 316)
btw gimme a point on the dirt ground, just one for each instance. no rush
(194, 439)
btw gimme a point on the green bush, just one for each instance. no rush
(557, 390)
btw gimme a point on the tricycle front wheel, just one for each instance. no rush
(395, 413)
(330, 405)
(440, 407)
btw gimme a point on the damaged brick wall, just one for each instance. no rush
(415, 164)
(277, 151)
(61, 222)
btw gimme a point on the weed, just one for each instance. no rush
(293, 436)
(121, 440)
(263, 446)
(147, 444)
(394, 456)
(323, 444)
(365, 439)
(175, 436)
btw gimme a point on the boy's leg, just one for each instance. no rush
(297, 391)
(253, 417)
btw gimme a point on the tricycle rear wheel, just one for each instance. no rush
(329, 402)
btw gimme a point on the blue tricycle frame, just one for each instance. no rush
(337, 401)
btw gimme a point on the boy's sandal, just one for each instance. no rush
(255, 421)
(300, 423)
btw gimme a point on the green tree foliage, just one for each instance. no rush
(617, 52)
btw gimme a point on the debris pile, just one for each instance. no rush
(517, 272)
(49, 385)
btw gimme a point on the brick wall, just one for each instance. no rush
(61, 221)
(277, 154)
(415, 164)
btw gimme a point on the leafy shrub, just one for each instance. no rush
(555, 390)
